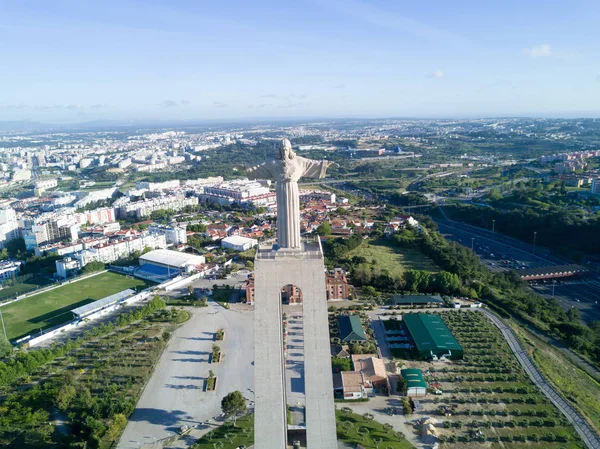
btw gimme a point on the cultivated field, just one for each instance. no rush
(53, 307)
(395, 261)
(488, 400)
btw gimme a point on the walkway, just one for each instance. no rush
(581, 426)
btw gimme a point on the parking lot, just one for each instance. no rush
(175, 394)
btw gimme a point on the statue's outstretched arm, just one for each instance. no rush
(316, 169)
(259, 171)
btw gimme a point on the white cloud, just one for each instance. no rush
(268, 96)
(99, 106)
(220, 104)
(167, 104)
(598, 78)
(13, 106)
(438, 74)
(185, 102)
(541, 51)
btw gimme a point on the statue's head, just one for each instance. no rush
(285, 150)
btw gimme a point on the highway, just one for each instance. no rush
(494, 248)
(579, 423)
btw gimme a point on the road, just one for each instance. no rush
(174, 395)
(581, 426)
(492, 248)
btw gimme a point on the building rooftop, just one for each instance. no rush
(430, 333)
(417, 299)
(172, 258)
(414, 378)
(88, 309)
(238, 240)
(350, 328)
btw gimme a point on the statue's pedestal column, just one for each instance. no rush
(305, 269)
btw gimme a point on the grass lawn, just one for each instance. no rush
(395, 260)
(353, 429)
(575, 384)
(231, 437)
(54, 307)
(31, 284)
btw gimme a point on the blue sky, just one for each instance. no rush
(65, 61)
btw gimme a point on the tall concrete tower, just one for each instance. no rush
(299, 262)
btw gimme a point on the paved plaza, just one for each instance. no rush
(174, 395)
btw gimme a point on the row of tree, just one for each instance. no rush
(26, 363)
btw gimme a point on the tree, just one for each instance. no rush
(65, 396)
(232, 404)
(6, 348)
(190, 289)
(117, 426)
(324, 229)
(340, 364)
(363, 432)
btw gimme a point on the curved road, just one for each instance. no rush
(581, 426)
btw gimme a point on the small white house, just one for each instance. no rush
(238, 243)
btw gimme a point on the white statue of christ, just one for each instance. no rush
(287, 171)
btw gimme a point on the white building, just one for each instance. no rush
(9, 226)
(240, 191)
(172, 259)
(154, 186)
(67, 267)
(175, 234)
(238, 243)
(9, 269)
(144, 208)
(85, 162)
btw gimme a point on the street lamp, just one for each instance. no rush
(534, 238)
(553, 285)
(493, 226)
(472, 242)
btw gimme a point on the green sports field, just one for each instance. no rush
(48, 309)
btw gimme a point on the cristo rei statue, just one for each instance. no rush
(287, 171)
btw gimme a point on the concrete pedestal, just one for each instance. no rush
(305, 269)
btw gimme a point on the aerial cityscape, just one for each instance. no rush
(299, 226)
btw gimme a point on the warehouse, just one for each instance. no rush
(171, 260)
(238, 243)
(431, 337)
(415, 382)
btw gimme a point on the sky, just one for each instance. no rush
(74, 61)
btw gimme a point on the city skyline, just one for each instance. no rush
(70, 62)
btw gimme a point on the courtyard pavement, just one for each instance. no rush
(174, 395)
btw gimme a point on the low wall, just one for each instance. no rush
(180, 282)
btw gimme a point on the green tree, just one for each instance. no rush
(117, 426)
(65, 396)
(324, 228)
(341, 364)
(232, 404)
(5, 347)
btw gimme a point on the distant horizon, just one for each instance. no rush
(271, 119)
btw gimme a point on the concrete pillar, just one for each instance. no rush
(304, 269)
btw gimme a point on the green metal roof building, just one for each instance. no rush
(415, 382)
(408, 300)
(350, 328)
(431, 336)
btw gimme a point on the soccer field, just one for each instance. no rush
(50, 308)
